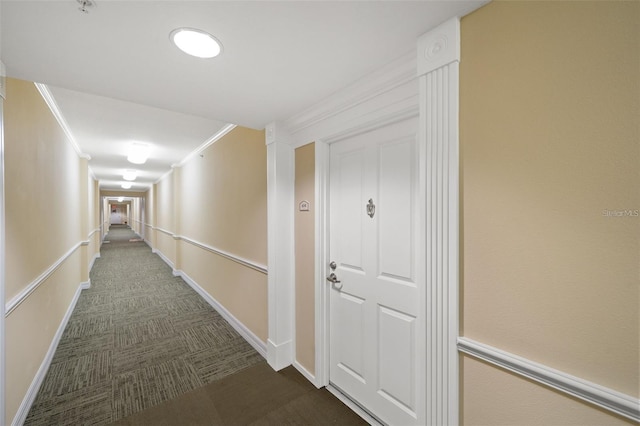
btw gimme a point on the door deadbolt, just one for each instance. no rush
(333, 265)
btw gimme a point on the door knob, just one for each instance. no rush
(333, 278)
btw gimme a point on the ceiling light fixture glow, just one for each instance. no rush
(126, 185)
(138, 153)
(196, 42)
(120, 199)
(130, 175)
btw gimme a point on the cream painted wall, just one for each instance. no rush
(220, 199)
(500, 398)
(305, 257)
(150, 217)
(224, 195)
(47, 198)
(38, 164)
(549, 107)
(164, 217)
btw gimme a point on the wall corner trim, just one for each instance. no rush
(32, 392)
(279, 355)
(609, 399)
(280, 245)
(55, 110)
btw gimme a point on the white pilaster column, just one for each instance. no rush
(438, 61)
(280, 226)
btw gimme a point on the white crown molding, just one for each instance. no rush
(394, 74)
(15, 301)
(161, 178)
(55, 110)
(613, 401)
(213, 139)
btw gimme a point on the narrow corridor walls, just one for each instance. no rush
(51, 238)
(208, 220)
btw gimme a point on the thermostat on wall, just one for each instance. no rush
(304, 206)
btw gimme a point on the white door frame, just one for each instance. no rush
(391, 94)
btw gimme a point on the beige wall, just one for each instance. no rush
(219, 198)
(305, 257)
(549, 107)
(164, 218)
(224, 195)
(47, 195)
(150, 216)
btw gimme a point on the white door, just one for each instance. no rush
(375, 318)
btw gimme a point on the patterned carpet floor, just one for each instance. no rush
(137, 338)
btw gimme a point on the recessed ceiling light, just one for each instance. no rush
(130, 175)
(126, 185)
(138, 153)
(196, 42)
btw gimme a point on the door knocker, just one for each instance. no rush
(371, 208)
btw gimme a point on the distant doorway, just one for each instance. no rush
(116, 215)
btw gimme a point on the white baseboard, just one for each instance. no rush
(166, 260)
(93, 260)
(32, 392)
(247, 334)
(279, 355)
(310, 377)
(85, 285)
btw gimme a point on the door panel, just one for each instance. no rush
(395, 222)
(374, 309)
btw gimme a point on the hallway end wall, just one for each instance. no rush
(549, 152)
(47, 187)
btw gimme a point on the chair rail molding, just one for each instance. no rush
(15, 301)
(616, 402)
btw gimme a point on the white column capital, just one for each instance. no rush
(439, 47)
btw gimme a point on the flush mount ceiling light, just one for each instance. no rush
(120, 199)
(138, 153)
(196, 42)
(126, 185)
(130, 174)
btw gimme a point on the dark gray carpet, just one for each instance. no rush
(254, 396)
(137, 338)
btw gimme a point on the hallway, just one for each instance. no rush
(137, 338)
